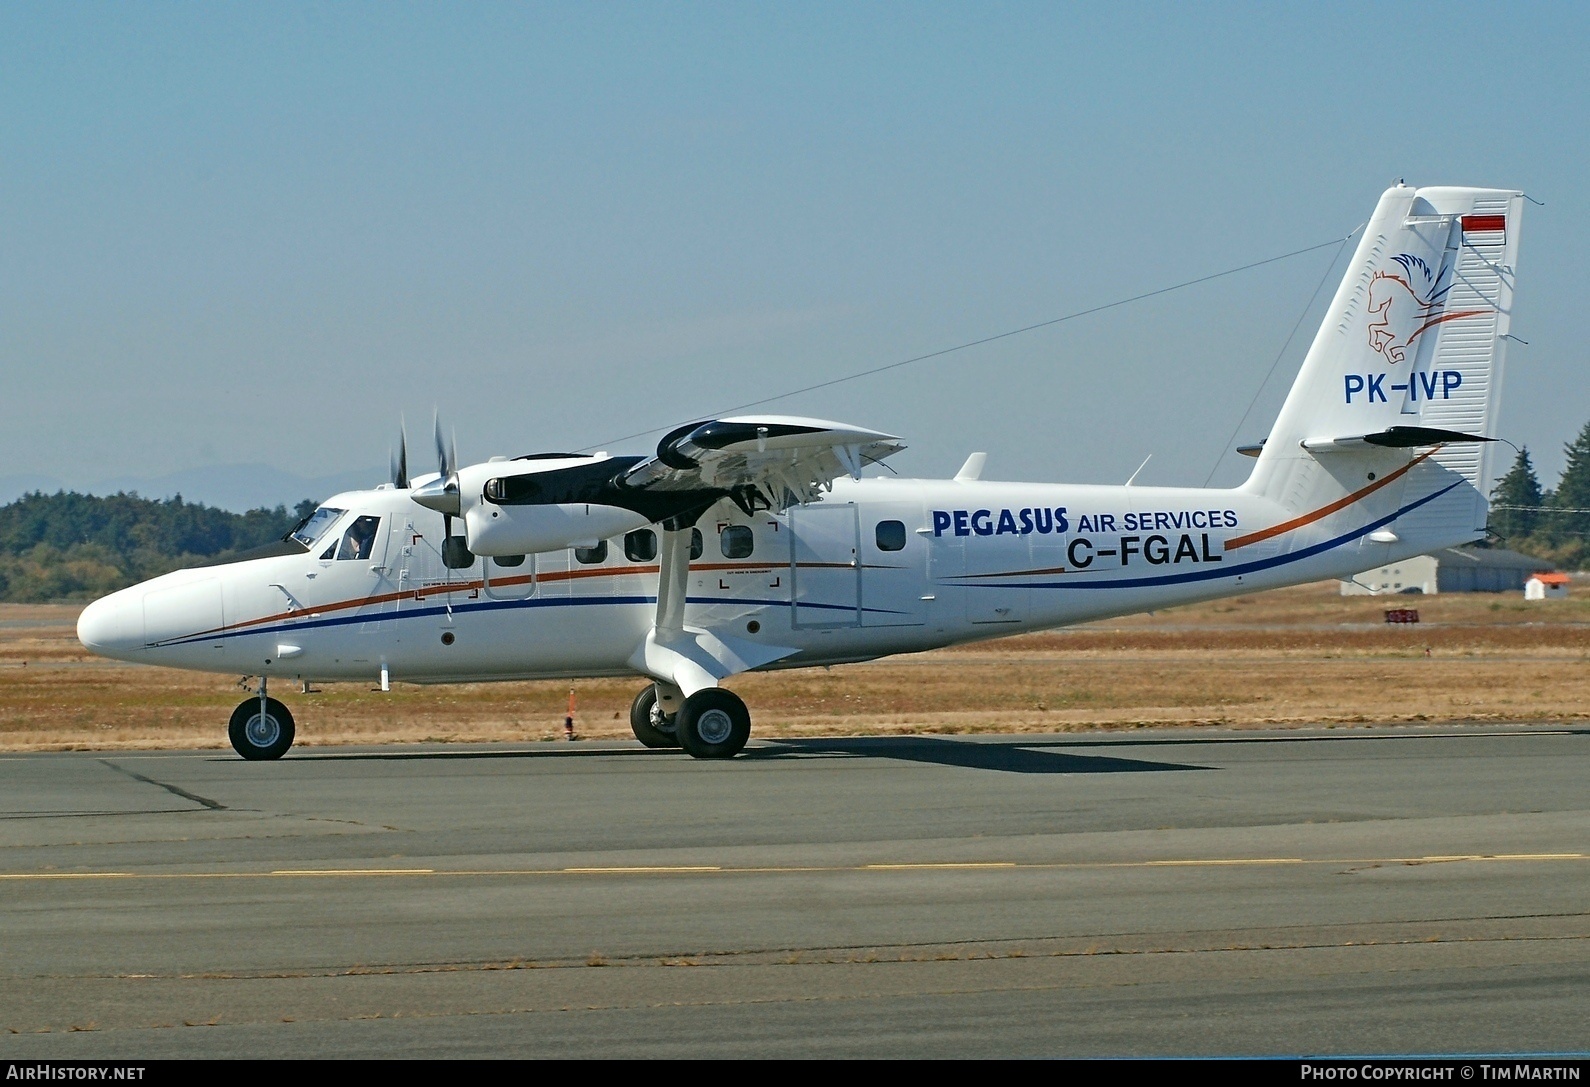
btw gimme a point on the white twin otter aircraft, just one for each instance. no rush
(754, 542)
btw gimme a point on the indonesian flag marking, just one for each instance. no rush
(1474, 224)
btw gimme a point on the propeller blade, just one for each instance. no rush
(446, 461)
(441, 494)
(400, 463)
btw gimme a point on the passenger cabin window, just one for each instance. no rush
(359, 540)
(736, 542)
(891, 536)
(696, 546)
(640, 545)
(508, 560)
(591, 555)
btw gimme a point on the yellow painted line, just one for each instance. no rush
(1217, 862)
(1538, 857)
(642, 870)
(1508, 857)
(354, 872)
(70, 875)
(947, 864)
(664, 870)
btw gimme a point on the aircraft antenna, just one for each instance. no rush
(1279, 354)
(1139, 471)
(991, 339)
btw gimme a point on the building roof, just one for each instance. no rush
(1494, 557)
(1551, 578)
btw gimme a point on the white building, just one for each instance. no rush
(1419, 574)
(1546, 587)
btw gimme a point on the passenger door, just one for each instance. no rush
(825, 581)
(893, 568)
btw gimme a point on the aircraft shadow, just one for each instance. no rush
(1017, 755)
(1011, 757)
(1425, 732)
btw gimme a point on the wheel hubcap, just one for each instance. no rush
(659, 720)
(714, 726)
(262, 730)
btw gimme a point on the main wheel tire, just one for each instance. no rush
(257, 737)
(651, 726)
(713, 724)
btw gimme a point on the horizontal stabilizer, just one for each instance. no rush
(1397, 437)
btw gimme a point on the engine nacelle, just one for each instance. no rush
(540, 503)
(526, 530)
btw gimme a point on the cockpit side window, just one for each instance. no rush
(316, 524)
(359, 540)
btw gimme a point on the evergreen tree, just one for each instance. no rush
(1516, 500)
(1573, 491)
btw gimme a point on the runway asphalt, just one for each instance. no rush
(1182, 892)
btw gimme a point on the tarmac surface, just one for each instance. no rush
(1348, 891)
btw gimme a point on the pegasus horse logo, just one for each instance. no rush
(1402, 306)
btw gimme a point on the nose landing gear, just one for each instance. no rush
(261, 728)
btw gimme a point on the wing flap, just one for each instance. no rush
(780, 459)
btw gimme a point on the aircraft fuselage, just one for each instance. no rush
(879, 566)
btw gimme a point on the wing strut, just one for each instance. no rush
(673, 579)
(687, 658)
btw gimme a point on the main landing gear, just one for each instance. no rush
(647, 721)
(261, 727)
(710, 724)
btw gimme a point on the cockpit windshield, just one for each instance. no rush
(316, 525)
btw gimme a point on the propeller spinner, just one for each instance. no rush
(442, 495)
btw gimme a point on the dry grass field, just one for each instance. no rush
(1299, 656)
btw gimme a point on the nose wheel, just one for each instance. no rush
(261, 728)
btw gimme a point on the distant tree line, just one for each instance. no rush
(68, 546)
(1552, 524)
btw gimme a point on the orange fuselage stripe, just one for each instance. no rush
(476, 585)
(1324, 511)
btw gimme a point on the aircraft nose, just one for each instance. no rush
(112, 625)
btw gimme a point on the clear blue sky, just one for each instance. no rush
(260, 232)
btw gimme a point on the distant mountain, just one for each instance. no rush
(235, 487)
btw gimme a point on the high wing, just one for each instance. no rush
(767, 462)
(550, 501)
(762, 462)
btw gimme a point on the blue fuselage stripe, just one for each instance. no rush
(1225, 571)
(1071, 581)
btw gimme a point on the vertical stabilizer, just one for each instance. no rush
(1404, 375)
